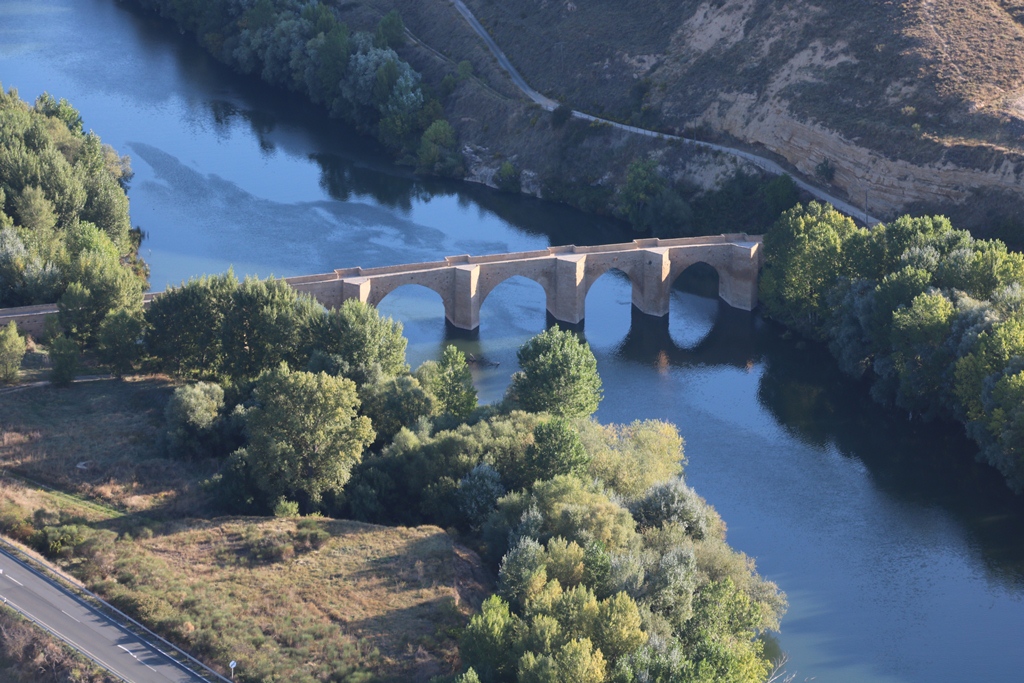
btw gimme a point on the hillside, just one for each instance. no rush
(916, 104)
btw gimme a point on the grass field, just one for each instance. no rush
(296, 599)
(100, 440)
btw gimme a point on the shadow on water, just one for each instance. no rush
(926, 464)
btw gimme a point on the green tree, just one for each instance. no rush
(64, 360)
(360, 343)
(921, 357)
(993, 351)
(488, 643)
(390, 30)
(643, 185)
(522, 573)
(630, 459)
(557, 449)
(579, 662)
(304, 434)
(451, 383)
(99, 286)
(185, 326)
(267, 323)
(394, 403)
(12, 350)
(119, 341)
(439, 151)
(558, 376)
(647, 201)
(804, 256)
(47, 105)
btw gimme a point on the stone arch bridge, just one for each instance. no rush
(566, 273)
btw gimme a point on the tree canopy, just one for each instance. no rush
(64, 215)
(558, 376)
(931, 315)
(304, 434)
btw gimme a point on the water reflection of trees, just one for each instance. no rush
(929, 464)
(924, 464)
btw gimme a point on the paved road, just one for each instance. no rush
(761, 162)
(123, 653)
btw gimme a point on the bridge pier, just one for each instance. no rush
(358, 288)
(738, 282)
(650, 291)
(462, 309)
(566, 301)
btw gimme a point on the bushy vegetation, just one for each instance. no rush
(933, 317)
(653, 205)
(65, 234)
(26, 650)
(357, 76)
(610, 568)
(12, 350)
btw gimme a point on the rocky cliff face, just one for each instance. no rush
(885, 185)
(918, 103)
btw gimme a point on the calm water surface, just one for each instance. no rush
(903, 561)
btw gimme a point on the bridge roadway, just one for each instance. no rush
(566, 273)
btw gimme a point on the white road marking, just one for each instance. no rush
(14, 580)
(66, 614)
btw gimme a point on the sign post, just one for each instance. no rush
(233, 664)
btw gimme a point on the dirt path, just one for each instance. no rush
(763, 163)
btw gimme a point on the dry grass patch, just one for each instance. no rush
(303, 600)
(390, 592)
(28, 654)
(101, 440)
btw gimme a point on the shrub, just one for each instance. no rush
(561, 115)
(193, 417)
(286, 508)
(507, 178)
(12, 350)
(676, 503)
(63, 361)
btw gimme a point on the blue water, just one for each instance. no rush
(902, 560)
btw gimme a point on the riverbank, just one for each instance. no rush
(501, 139)
(879, 529)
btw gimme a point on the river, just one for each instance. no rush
(903, 561)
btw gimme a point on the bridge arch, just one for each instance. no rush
(380, 288)
(609, 302)
(682, 267)
(595, 272)
(516, 305)
(494, 274)
(737, 276)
